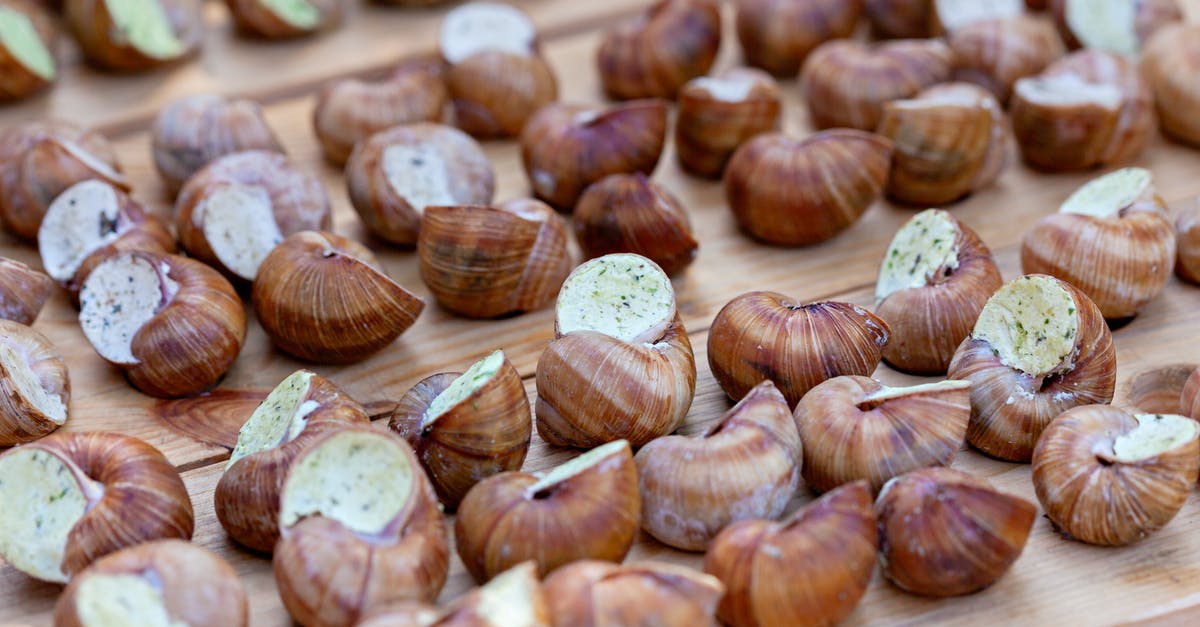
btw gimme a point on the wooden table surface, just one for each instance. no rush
(1056, 581)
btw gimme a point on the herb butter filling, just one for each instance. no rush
(358, 478)
(42, 501)
(21, 39)
(623, 295)
(278, 419)
(1031, 324)
(81, 220)
(418, 173)
(1106, 196)
(480, 26)
(238, 222)
(464, 386)
(1105, 24)
(1154, 435)
(922, 251)
(121, 600)
(297, 13)
(577, 465)
(119, 297)
(145, 25)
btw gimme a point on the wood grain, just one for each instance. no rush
(1055, 580)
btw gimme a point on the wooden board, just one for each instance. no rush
(1055, 581)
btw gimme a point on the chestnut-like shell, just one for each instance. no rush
(495, 92)
(141, 496)
(106, 46)
(247, 496)
(1054, 138)
(298, 199)
(567, 147)
(745, 466)
(484, 434)
(653, 54)
(193, 131)
(811, 569)
(39, 160)
(20, 420)
(1120, 262)
(330, 575)
(846, 83)
(384, 211)
(255, 19)
(628, 213)
(485, 262)
(943, 532)
(590, 593)
(648, 392)
(1011, 408)
(1095, 497)
(777, 35)
(16, 80)
(800, 192)
(592, 514)
(767, 336)
(709, 129)
(198, 586)
(23, 291)
(1187, 242)
(1170, 64)
(994, 53)
(928, 323)
(516, 590)
(849, 436)
(950, 140)
(324, 298)
(349, 110)
(1189, 397)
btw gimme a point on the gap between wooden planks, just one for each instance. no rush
(1055, 580)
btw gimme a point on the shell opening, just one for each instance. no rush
(298, 13)
(564, 472)
(42, 502)
(729, 87)
(464, 386)
(82, 219)
(105, 600)
(28, 387)
(1104, 24)
(238, 222)
(418, 173)
(479, 26)
(923, 252)
(120, 296)
(1106, 196)
(955, 14)
(1031, 324)
(278, 419)
(361, 479)
(1068, 90)
(1154, 434)
(145, 25)
(20, 38)
(885, 393)
(623, 295)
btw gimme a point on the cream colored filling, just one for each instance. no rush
(358, 478)
(119, 297)
(29, 386)
(122, 601)
(1031, 324)
(1155, 434)
(19, 36)
(1105, 24)
(887, 393)
(505, 601)
(1068, 90)
(955, 14)
(42, 501)
(566, 471)
(281, 417)
(733, 88)
(479, 26)
(922, 249)
(465, 385)
(623, 295)
(79, 221)
(418, 174)
(297, 13)
(1106, 196)
(238, 222)
(144, 25)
